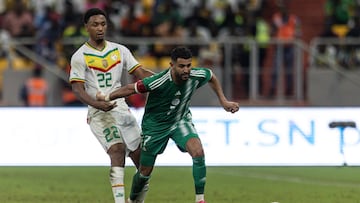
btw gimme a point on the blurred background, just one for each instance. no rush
(265, 52)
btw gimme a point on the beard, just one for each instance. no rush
(99, 40)
(185, 76)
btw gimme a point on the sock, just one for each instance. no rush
(138, 183)
(199, 197)
(199, 174)
(117, 183)
(143, 192)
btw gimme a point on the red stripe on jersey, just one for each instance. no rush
(140, 86)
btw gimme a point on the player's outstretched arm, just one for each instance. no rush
(123, 91)
(79, 90)
(142, 72)
(227, 105)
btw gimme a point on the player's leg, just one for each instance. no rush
(140, 183)
(143, 193)
(194, 147)
(106, 131)
(187, 139)
(135, 156)
(117, 158)
(131, 136)
(150, 149)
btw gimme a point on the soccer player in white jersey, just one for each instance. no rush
(97, 67)
(167, 116)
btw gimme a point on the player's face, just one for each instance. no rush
(181, 68)
(96, 27)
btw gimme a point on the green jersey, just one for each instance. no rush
(167, 102)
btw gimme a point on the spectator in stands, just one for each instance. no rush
(18, 21)
(72, 26)
(235, 20)
(199, 33)
(186, 8)
(286, 29)
(355, 30)
(34, 91)
(256, 6)
(69, 15)
(132, 25)
(202, 13)
(101, 4)
(326, 53)
(236, 24)
(166, 17)
(167, 22)
(339, 11)
(48, 33)
(260, 31)
(354, 50)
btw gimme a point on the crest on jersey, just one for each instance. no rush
(104, 63)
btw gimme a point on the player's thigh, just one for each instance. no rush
(152, 145)
(155, 143)
(129, 129)
(106, 130)
(183, 133)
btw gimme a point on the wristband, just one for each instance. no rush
(136, 89)
(107, 97)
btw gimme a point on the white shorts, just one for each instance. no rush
(116, 126)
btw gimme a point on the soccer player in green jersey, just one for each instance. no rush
(167, 116)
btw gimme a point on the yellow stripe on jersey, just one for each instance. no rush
(76, 80)
(134, 68)
(103, 63)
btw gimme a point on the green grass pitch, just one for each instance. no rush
(89, 184)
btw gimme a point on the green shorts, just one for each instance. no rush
(152, 145)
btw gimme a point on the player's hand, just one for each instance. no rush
(100, 96)
(231, 106)
(105, 106)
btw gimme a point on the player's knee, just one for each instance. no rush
(197, 153)
(117, 154)
(146, 170)
(194, 147)
(116, 149)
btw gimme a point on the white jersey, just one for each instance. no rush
(101, 70)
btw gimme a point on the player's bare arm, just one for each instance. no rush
(229, 106)
(79, 90)
(123, 91)
(141, 72)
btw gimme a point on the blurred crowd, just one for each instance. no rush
(49, 22)
(342, 22)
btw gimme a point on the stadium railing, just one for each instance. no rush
(223, 51)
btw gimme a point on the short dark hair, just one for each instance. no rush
(180, 52)
(92, 12)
